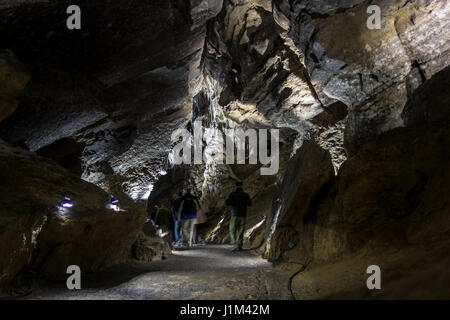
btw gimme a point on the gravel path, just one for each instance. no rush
(203, 272)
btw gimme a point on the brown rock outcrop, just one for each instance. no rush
(388, 206)
(37, 233)
(392, 192)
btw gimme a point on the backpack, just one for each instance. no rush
(189, 207)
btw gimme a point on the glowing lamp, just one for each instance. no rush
(113, 199)
(67, 203)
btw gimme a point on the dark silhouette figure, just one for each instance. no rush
(187, 214)
(238, 201)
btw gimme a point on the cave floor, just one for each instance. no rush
(202, 272)
(215, 272)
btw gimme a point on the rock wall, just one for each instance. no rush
(284, 63)
(308, 177)
(316, 68)
(133, 74)
(387, 206)
(37, 233)
(372, 71)
(393, 186)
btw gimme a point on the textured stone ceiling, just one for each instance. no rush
(124, 82)
(120, 85)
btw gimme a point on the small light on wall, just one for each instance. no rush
(113, 207)
(113, 204)
(67, 203)
(113, 199)
(64, 206)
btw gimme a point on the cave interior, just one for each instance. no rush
(88, 113)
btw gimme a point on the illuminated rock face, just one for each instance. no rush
(379, 69)
(317, 69)
(286, 63)
(388, 197)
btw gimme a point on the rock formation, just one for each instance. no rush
(362, 113)
(387, 206)
(39, 233)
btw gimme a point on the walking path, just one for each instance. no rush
(202, 272)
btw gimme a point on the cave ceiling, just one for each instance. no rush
(138, 70)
